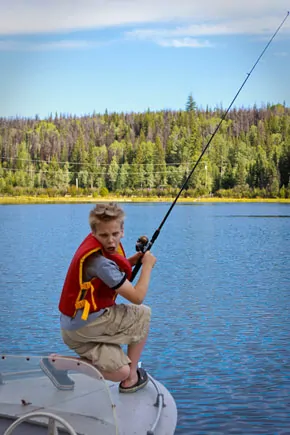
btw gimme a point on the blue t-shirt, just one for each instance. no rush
(95, 266)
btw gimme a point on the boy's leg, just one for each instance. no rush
(127, 373)
(64, 362)
(108, 358)
(99, 342)
(117, 376)
(134, 353)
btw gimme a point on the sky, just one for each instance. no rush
(80, 57)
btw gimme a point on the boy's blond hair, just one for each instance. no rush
(105, 213)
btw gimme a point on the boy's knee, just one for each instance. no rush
(124, 372)
(119, 375)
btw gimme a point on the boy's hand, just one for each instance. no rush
(149, 259)
(133, 260)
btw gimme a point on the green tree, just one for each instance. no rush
(112, 174)
(190, 104)
(23, 158)
(53, 172)
(99, 162)
(123, 177)
(173, 146)
(159, 164)
(83, 178)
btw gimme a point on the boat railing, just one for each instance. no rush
(52, 420)
(160, 404)
(18, 368)
(26, 385)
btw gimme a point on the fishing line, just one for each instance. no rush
(143, 244)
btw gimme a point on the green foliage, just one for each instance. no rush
(113, 172)
(150, 153)
(104, 192)
(190, 104)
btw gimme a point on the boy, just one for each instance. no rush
(92, 324)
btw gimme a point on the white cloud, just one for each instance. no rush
(250, 26)
(281, 54)
(186, 35)
(183, 42)
(214, 16)
(10, 45)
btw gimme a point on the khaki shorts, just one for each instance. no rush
(100, 341)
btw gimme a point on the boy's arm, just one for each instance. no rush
(136, 294)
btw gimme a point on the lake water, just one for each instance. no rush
(220, 298)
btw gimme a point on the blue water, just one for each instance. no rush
(220, 297)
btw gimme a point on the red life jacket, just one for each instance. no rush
(92, 295)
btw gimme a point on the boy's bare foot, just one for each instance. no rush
(130, 381)
(141, 381)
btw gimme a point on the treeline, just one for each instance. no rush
(148, 153)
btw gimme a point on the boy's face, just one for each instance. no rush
(109, 234)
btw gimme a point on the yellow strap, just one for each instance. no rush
(86, 306)
(86, 285)
(93, 298)
(84, 303)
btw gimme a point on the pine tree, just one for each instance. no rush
(191, 104)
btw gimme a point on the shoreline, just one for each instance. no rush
(88, 199)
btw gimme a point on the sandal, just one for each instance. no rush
(141, 383)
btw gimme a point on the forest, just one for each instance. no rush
(148, 154)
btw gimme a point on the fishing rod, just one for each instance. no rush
(143, 244)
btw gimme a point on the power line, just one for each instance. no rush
(4, 159)
(32, 170)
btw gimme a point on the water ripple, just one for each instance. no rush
(220, 293)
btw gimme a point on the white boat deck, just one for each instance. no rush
(93, 407)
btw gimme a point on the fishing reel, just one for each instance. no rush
(142, 244)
